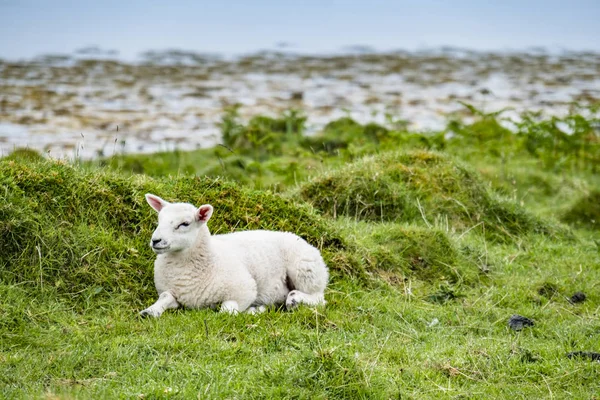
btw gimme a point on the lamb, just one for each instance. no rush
(241, 271)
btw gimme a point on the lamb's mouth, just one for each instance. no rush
(160, 250)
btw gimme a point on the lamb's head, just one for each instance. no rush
(178, 224)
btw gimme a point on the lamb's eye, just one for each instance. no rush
(183, 224)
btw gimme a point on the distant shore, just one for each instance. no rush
(90, 103)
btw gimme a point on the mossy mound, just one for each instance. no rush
(414, 251)
(24, 153)
(585, 212)
(77, 230)
(419, 187)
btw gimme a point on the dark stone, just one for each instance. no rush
(518, 322)
(578, 297)
(584, 354)
(298, 96)
(548, 290)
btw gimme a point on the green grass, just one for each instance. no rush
(433, 244)
(368, 342)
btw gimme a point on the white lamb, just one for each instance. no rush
(241, 271)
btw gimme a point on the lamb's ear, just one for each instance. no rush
(156, 202)
(204, 213)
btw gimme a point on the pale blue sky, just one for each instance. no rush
(32, 27)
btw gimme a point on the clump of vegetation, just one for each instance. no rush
(483, 131)
(347, 139)
(571, 142)
(24, 153)
(262, 136)
(419, 187)
(408, 251)
(585, 212)
(341, 133)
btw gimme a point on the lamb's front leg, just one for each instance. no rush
(165, 301)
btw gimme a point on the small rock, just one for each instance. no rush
(585, 354)
(577, 297)
(518, 322)
(298, 96)
(433, 322)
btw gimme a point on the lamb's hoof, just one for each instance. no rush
(292, 300)
(149, 313)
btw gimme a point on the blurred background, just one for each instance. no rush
(89, 79)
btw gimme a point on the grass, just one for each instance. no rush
(433, 244)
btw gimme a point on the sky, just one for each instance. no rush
(30, 28)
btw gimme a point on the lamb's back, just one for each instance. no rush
(266, 255)
(256, 247)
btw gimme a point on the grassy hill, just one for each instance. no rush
(434, 241)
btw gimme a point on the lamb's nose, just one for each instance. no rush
(155, 241)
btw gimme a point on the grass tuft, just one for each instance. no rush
(585, 212)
